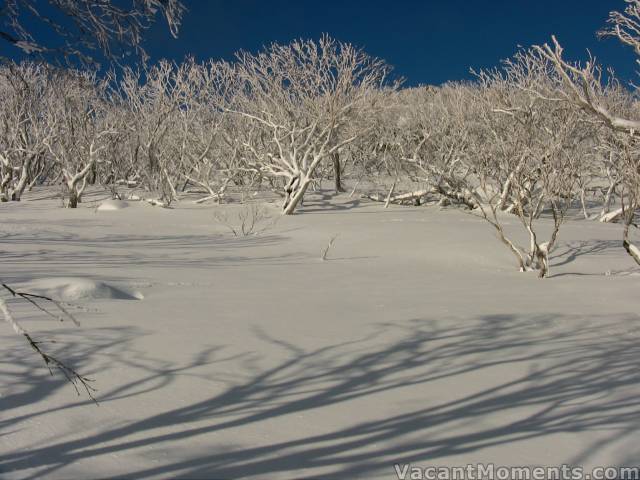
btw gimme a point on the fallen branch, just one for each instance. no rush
(397, 198)
(155, 202)
(612, 217)
(410, 196)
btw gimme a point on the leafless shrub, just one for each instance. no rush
(252, 219)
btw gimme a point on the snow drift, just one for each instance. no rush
(112, 205)
(75, 288)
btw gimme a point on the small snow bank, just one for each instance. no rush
(112, 205)
(74, 288)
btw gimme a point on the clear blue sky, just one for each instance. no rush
(428, 41)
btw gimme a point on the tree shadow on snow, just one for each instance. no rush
(327, 205)
(194, 251)
(570, 251)
(507, 379)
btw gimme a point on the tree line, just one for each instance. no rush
(536, 137)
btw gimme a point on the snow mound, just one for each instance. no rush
(111, 205)
(75, 288)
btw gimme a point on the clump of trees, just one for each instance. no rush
(534, 138)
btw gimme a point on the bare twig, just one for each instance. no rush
(326, 249)
(77, 380)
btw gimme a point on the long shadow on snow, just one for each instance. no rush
(94, 352)
(572, 250)
(563, 374)
(198, 251)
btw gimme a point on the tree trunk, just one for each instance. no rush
(73, 198)
(609, 194)
(533, 248)
(16, 195)
(393, 187)
(337, 170)
(4, 187)
(92, 176)
(631, 249)
(583, 203)
(295, 191)
(542, 252)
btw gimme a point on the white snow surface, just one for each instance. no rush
(417, 341)
(111, 205)
(75, 288)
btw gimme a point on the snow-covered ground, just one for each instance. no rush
(217, 356)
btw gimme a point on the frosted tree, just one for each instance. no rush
(208, 156)
(153, 99)
(435, 132)
(374, 155)
(585, 88)
(300, 97)
(624, 154)
(24, 89)
(82, 129)
(496, 147)
(533, 152)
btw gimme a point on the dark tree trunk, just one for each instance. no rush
(336, 172)
(93, 175)
(73, 199)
